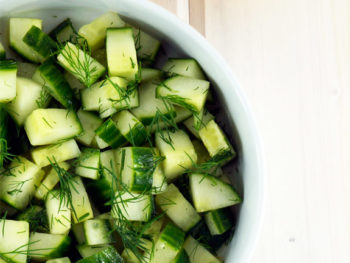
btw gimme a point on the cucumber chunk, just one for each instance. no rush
(50, 181)
(46, 155)
(210, 193)
(97, 142)
(132, 206)
(151, 74)
(8, 71)
(187, 92)
(136, 167)
(2, 51)
(47, 126)
(58, 213)
(88, 164)
(182, 257)
(48, 246)
(187, 67)
(107, 255)
(19, 181)
(54, 82)
(36, 217)
(18, 28)
(87, 251)
(218, 146)
(97, 232)
(90, 123)
(109, 96)
(151, 108)
(14, 235)
(194, 124)
(40, 43)
(197, 252)
(95, 32)
(79, 235)
(218, 221)
(168, 245)
(30, 96)
(179, 158)
(121, 53)
(64, 32)
(59, 260)
(177, 208)
(81, 207)
(80, 64)
(147, 46)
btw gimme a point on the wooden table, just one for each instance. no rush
(292, 58)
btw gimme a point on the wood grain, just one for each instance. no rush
(292, 58)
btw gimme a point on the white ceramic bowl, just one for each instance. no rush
(178, 39)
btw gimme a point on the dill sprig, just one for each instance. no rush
(15, 187)
(67, 185)
(81, 68)
(4, 154)
(24, 250)
(43, 98)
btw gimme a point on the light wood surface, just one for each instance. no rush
(292, 58)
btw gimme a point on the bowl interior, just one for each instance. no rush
(179, 40)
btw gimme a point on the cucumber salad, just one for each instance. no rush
(107, 155)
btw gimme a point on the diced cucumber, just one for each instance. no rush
(151, 74)
(2, 51)
(26, 70)
(90, 123)
(107, 255)
(217, 144)
(48, 246)
(88, 164)
(159, 183)
(40, 43)
(132, 206)
(19, 181)
(101, 56)
(36, 217)
(53, 80)
(58, 213)
(201, 151)
(121, 53)
(109, 96)
(122, 127)
(49, 181)
(59, 260)
(187, 67)
(97, 232)
(146, 46)
(184, 91)
(47, 126)
(14, 235)
(177, 208)
(129, 256)
(81, 207)
(153, 230)
(64, 32)
(74, 83)
(45, 155)
(18, 28)
(95, 32)
(136, 167)
(87, 251)
(30, 96)
(218, 221)
(168, 244)
(179, 154)
(151, 108)
(97, 142)
(210, 193)
(194, 124)
(78, 232)
(80, 64)
(197, 252)
(182, 257)
(8, 71)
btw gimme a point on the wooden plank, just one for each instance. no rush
(197, 15)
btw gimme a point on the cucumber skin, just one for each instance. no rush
(36, 217)
(142, 180)
(40, 42)
(221, 220)
(67, 22)
(173, 236)
(62, 91)
(108, 255)
(137, 135)
(8, 64)
(110, 134)
(182, 257)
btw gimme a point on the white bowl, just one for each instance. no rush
(179, 39)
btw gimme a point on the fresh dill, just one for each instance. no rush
(15, 187)
(3, 220)
(24, 250)
(47, 123)
(4, 154)
(43, 98)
